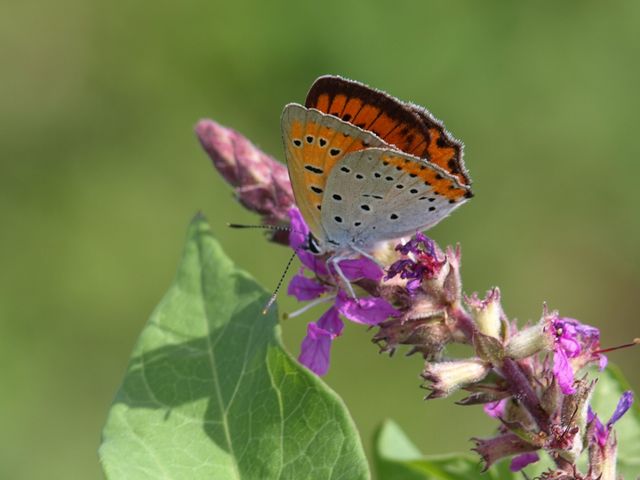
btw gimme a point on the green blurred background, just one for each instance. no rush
(101, 173)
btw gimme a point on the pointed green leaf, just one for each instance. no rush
(397, 458)
(611, 385)
(210, 392)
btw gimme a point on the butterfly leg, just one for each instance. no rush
(369, 256)
(335, 261)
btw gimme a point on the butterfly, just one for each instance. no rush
(367, 168)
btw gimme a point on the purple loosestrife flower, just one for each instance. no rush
(574, 346)
(601, 432)
(420, 261)
(602, 441)
(316, 346)
(523, 460)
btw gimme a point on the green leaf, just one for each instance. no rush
(611, 384)
(396, 458)
(210, 392)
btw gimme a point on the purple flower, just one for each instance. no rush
(573, 342)
(601, 432)
(315, 349)
(496, 409)
(521, 461)
(317, 344)
(304, 288)
(421, 263)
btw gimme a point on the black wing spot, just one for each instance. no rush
(309, 138)
(322, 142)
(453, 166)
(423, 167)
(427, 184)
(399, 168)
(393, 216)
(432, 199)
(377, 197)
(346, 117)
(336, 197)
(319, 207)
(423, 198)
(334, 152)
(316, 189)
(389, 179)
(359, 176)
(431, 209)
(399, 186)
(365, 207)
(297, 142)
(413, 175)
(365, 144)
(441, 142)
(361, 125)
(338, 219)
(357, 224)
(452, 201)
(385, 163)
(413, 190)
(313, 169)
(438, 176)
(345, 169)
(377, 174)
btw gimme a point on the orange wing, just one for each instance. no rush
(313, 143)
(407, 127)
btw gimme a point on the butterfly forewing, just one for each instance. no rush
(313, 143)
(410, 128)
(381, 194)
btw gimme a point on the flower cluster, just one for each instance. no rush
(530, 379)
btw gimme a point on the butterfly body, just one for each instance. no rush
(367, 168)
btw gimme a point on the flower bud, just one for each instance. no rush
(573, 419)
(452, 283)
(487, 313)
(504, 445)
(528, 342)
(261, 183)
(427, 335)
(447, 377)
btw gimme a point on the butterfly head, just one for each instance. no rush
(314, 246)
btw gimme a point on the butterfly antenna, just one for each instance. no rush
(265, 227)
(275, 292)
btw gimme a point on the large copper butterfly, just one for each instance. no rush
(366, 167)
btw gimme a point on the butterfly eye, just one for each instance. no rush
(313, 246)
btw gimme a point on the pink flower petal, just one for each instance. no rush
(315, 349)
(304, 288)
(368, 311)
(521, 461)
(563, 372)
(496, 409)
(355, 269)
(330, 321)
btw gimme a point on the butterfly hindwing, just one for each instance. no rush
(381, 194)
(313, 143)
